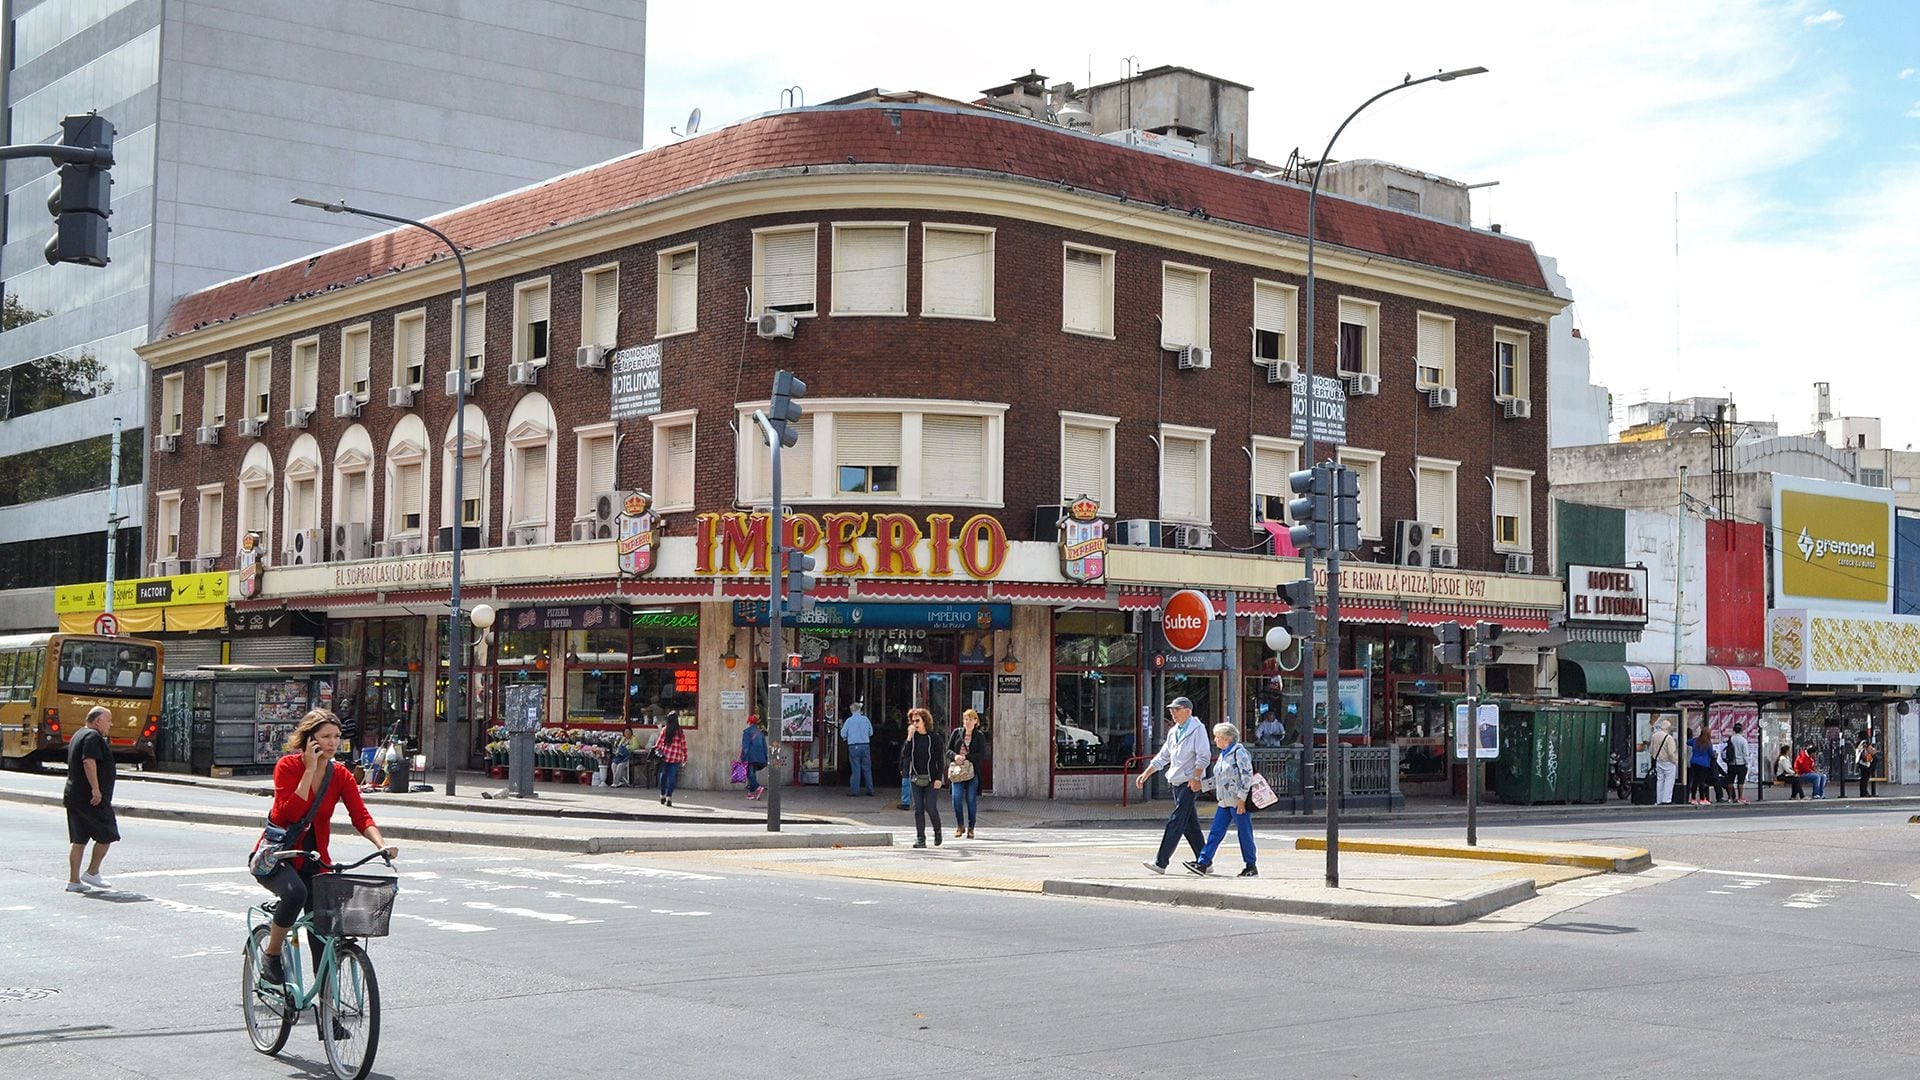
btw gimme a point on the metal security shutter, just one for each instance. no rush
(870, 270)
(1433, 504)
(530, 498)
(185, 654)
(866, 439)
(1084, 307)
(957, 277)
(954, 449)
(1180, 478)
(1432, 349)
(1083, 464)
(677, 483)
(356, 348)
(270, 650)
(606, 301)
(787, 261)
(1178, 292)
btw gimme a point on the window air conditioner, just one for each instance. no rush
(1446, 558)
(1191, 537)
(1517, 408)
(410, 545)
(163, 568)
(590, 357)
(346, 406)
(1412, 543)
(523, 374)
(1195, 357)
(251, 429)
(523, 536)
(350, 541)
(166, 444)
(1283, 371)
(1365, 384)
(1443, 397)
(1520, 564)
(1137, 532)
(206, 564)
(453, 383)
(207, 436)
(584, 529)
(775, 324)
(297, 418)
(606, 506)
(309, 546)
(400, 397)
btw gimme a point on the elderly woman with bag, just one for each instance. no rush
(923, 761)
(753, 755)
(1232, 788)
(967, 747)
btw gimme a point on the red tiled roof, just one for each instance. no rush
(884, 136)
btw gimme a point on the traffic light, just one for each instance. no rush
(784, 411)
(1451, 651)
(1346, 508)
(1312, 511)
(800, 582)
(81, 204)
(1297, 595)
(1485, 636)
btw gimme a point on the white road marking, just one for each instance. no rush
(441, 924)
(643, 872)
(1798, 877)
(18, 907)
(690, 914)
(196, 909)
(529, 913)
(222, 871)
(544, 875)
(1809, 900)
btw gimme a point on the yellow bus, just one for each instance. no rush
(48, 682)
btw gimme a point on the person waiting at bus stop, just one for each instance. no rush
(1184, 758)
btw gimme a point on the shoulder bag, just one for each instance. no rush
(276, 843)
(960, 769)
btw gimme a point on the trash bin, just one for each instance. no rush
(1551, 752)
(400, 772)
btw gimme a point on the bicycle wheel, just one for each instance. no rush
(349, 1013)
(269, 1014)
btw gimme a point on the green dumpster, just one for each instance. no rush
(1551, 753)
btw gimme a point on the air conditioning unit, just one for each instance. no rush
(1443, 397)
(207, 436)
(166, 444)
(469, 538)
(586, 529)
(251, 429)
(453, 383)
(1137, 532)
(400, 397)
(606, 507)
(1190, 537)
(1283, 371)
(297, 418)
(523, 374)
(1412, 543)
(590, 357)
(1517, 408)
(347, 405)
(350, 541)
(774, 324)
(1520, 564)
(163, 568)
(1446, 558)
(1195, 357)
(206, 564)
(1364, 384)
(309, 546)
(523, 535)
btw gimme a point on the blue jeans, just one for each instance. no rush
(753, 776)
(1182, 822)
(966, 802)
(1222, 818)
(669, 776)
(906, 793)
(1819, 784)
(860, 767)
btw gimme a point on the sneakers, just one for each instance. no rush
(936, 839)
(95, 880)
(1155, 867)
(1198, 868)
(272, 971)
(1248, 872)
(922, 842)
(74, 886)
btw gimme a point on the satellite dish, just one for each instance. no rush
(693, 124)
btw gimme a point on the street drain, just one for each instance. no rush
(26, 993)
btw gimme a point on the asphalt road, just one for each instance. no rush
(1789, 952)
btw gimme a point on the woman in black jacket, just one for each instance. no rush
(966, 743)
(923, 760)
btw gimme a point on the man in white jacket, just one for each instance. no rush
(1665, 750)
(1184, 757)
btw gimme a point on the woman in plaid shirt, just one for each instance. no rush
(671, 749)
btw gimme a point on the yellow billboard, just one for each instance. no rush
(1834, 548)
(178, 590)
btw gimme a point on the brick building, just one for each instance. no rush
(993, 315)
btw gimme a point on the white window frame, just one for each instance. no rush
(523, 327)
(362, 333)
(298, 472)
(1288, 449)
(1368, 312)
(167, 521)
(1289, 300)
(173, 402)
(583, 490)
(476, 334)
(306, 372)
(750, 452)
(516, 516)
(589, 285)
(1444, 528)
(1522, 342)
(1203, 489)
(1367, 466)
(243, 518)
(210, 526)
(841, 277)
(666, 289)
(1107, 257)
(663, 426)
(1524, 542)
(356, 464)
(987, 260)
(396, 516)
(760, 237)
(213, 407)
(1202, 305)
(1446, 366)
(1108, 427)
(256, 407)
(401, 360)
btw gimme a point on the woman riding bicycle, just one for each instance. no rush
(296, 777)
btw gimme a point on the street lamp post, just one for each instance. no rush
(454, 698)
(1306, 643)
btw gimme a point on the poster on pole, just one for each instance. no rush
(635, 372)
(1324, 411)
(1483, 734)
(796, 717)
(1354, 695)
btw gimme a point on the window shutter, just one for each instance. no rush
(796, 465)
(470, 477)
(476, 331)
(306, 506)
(1432, 349)
(678, 480)
(356, 349)
(530, 497)
(1269, 308)
(413, 344)
(1178, 289)
(307, 369)
(954, 449)
(353, 506)
(409, 499)
(871, 276)
(599, 465)
(1180, 478)
(210, 524)
(1083, 464)
(787, 266)
(606, 302)
(1271, 467)
(1085, 287)
(866, 439)
(534, 304)
(958, 272)
(257, 508)
(1433, 502)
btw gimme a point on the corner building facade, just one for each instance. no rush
(995, 318)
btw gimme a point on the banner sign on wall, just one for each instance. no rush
(1606, 595)
(1833, 545)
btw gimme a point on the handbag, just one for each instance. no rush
(739, 772)
(276, 842)
(1261, 793)
(960, 770)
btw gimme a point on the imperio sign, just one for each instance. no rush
(735, 544)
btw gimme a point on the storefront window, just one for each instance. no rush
(1096, 639)
(597, 663)
(1096, 690)
(663, 671)
(520, 658)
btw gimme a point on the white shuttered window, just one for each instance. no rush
(472, 477)
(1272, 322)
(1086, 464)
(600, 299)
(678, 306)
(532, 322)
(409, 350)
(785, 263)
(353, 499)
(407, 501)
(213, 396)
(169, 514)
(869, 270)
(212, 513)
(476, 348)
(1512, 510)
(954, 452)
(532, 496)
(1434, 351)
(595, 471)
(1436, 500)
(1181, 462)
(1183, 307)
(957, 273)
(306, 373)
(173, 391)
(1086, 304)
(673, 462)
(355, 348)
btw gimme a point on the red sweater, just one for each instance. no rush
(289, 807)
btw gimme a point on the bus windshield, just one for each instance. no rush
(108, 668)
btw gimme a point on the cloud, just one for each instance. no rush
(1909, 73)
(1915, 111)
(1828, 17)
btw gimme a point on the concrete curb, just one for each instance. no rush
(1475, 905)
(577, 845)
(1639, 860)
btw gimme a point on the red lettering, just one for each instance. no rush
(703, 544)
(842, 530)
(802, 532)
(983, 529)
(895, 536)
(743, 539)
(940, 533)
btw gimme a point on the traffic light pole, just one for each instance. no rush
(1473, 748)
(1333, 718)
(776, 629)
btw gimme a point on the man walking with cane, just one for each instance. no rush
(1184, 757)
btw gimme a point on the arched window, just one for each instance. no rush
(529, 515)
(472, 507)
(408, 468)
(302, 539)
(353, 495)
(256, 499)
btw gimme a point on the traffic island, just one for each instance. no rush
(1604, 858)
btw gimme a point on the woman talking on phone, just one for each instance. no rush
(305, 772)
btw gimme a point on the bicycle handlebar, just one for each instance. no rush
(336, 868)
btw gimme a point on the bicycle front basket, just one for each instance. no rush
(353, 905)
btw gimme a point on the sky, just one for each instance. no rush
(1774, 143)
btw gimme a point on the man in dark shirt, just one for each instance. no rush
(89, 800)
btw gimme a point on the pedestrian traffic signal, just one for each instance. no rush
(784, 411)
(800, 582)
(1312, 511)
(1346, 508)
(1451, 651)
(81, 204)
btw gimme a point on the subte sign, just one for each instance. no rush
(106, 624)
(1185, 619)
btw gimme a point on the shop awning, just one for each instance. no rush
(1606, 678)
(151, 620)
(1603, 678)
(1046, 592)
